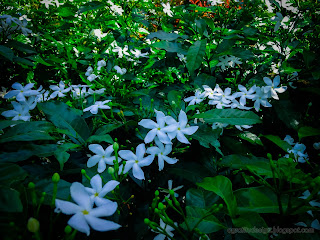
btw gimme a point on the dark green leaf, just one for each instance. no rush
(10, 200)
(308, 132)
(100, 138)
(6, 52)
(169, 47)
(207, 136)
(91, 6)
(225, 46)
(163, 35)
(65, 117)
(6, 123)
(286, 113)
(251, 137)
(221, 186)
(229, 116)
(107, 128)
(10, 173)
(278, 141)
(200, 198)
(190, 171)
(195, 55)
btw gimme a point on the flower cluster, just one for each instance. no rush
(47, 3)
(89, 73)
(297, 150)
(83, 210)
(226, 61)
(10, 24)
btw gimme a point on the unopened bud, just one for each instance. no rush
(33, 225)
(56, 178)
(67, 229)
(160, 206)
(111, 170)
(115, 146)
(31, 185)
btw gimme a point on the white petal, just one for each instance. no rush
(146, 161)
(79, 223)
(128, 166)
(127, 155)
(108, 187)
(183, 120)
(276, 81)
(170, 160)
(96, 183)
(105, 210)
(182, 138)
(268, 81)
(315, 224)
(67, 207)
(101, 166)
(96, 148)
(93, 161)
(190, 130)
(147, 123)
(163, 137)
(80, 196)
(160, 162)
(150, 135)
(137, 172)
(101, 224)
(140, 151)
(153, 150)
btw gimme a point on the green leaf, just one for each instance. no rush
(6, 52)
(225, 46)
(66, 12)
(28, 151)
(308, 57)
(174, 98)
(10, 173)
(286, 113)
(252, 220)
(10, 200)
(62, 157)
(91, 6)
(200, 198)
(170, 47)
(28, 131)
(46, 185)
(22, 61)
(100, 138)
(221, 186)
(278, 141)
(190, 171)
(207, 136)
(195, 55)
(65, 117)
(258, 165)
(242, 53)
(308, 132)
(204, 79)
(163, 35)
(229, 116)
(21, 46)
(107, 128)
(6, 123)
(251, 137)
(208, 222)
(257, 199)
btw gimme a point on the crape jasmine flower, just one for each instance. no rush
(272, 87)
(21, 92)
(119, 70)
(170, 188)
(59, 90)
(161, 152)
(135, 161)
(167, 9)
(243, 126)
(97, 105)
(101, 63)
(260, 98)
(167, 228)
(97, 192)
(197, 98)
(84, 215)
(289, 140)
(181, 127)
(19, 112)
(244, 94)
(157, 128)
(102, 157)
(89, 71)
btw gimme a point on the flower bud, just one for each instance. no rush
(67, 229)
(83, 172)
(115, 146)
(33, 225)
(147, 221)
(111, 170)
(31, 185)
(156, 193)
(56, 178)
(160, 206)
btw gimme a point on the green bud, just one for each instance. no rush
(161, 206)
(310, 104)
(115, 146)
(111, 170)
(140, 99)
(269, 156)
(171, 192)
(31, 185)
(147, 221)
(67, 229)
(83, 172)
(156, 210)
(152, 100)
(156, 193)
(33, 225)
(56, 178)
(11, 224)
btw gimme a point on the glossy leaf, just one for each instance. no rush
(195, 55)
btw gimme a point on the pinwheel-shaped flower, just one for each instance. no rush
(197, 98)
(162, 151)
(136, 161)
(102, 157)
(158, 128)
(84, 215)
(19, 112)
(272, 87)
(22, 92)
(167, 9)
(181, 127)
(244, 94)
(167, 228)
(97, 192)
(260, 98)
(97, 105)
(59, 90)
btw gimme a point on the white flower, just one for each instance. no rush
(101, 63)
(298, 151)
(167, 228)
(119, 70)
(167, 9)
(289, 140)
(59, 90)
(47, 3)
(99, 91)
(236, 104)
(137, 53)
(316, 145)
(89, 71)
(121, 51)
(170, 188)
(182, 57)
(79, 91)
(162, 151)
(226, 61)
(272, 87)
(9, 19)
(117, 9)
(260, 98)
(97, 105)
(84, 215)
(19, 112)
(181, 127)
(158, 128)
(136, 161)
(42, 97)
(224, 96)
(21, 92)
(243, 126)
(92, 77)
(245, 94)
(97, 33)
(219, 125)
(215, 2)
(197, 98)
(97, 192)
(280, 21)
(102, 157)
